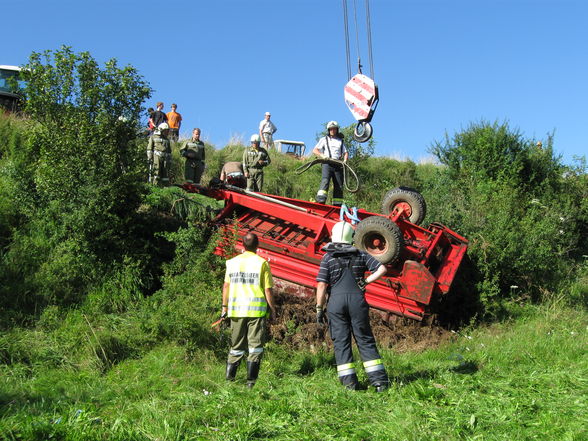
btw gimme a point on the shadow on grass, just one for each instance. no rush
(466, 367)
(310, 363)
(414, 376)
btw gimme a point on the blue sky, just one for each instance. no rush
(439, 64)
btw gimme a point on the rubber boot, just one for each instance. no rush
(231, 371)
(379, 379)
(252, 373)
(381, 387)
(350, 381)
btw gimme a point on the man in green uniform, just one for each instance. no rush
(193, 151)
(159, 156)
(247, 302)
(255, 158)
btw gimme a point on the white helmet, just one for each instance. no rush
(342, 233)
(255, 138)
(332, 124)
(162, 126)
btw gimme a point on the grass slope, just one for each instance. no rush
(523, 380)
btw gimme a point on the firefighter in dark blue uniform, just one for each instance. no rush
(342, 269)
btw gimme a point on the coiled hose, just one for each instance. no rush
(346, 170)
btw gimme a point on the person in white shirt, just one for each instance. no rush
(266, 131)
(331, 146)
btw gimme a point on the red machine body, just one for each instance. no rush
(293, 232)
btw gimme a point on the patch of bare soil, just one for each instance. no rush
(296, 327)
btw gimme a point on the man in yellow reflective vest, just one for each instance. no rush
(247, 302)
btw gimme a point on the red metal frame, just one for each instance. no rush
(292, 233)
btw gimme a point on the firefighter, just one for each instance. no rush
(159, 156)
(193, 151)
(255, 158)
(331, 146)
(342, 269)
(247, 302)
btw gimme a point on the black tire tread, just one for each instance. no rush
(386, 228)
(409, 195)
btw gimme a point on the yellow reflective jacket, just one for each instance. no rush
(248, 276)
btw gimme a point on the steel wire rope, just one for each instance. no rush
(356, 36)
(369, 35)
(346, 169)
(347, 51)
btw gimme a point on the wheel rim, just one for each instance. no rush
(402, 206)
(375, 244)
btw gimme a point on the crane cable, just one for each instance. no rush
(346, 170)
(347, 52)
(369, 37)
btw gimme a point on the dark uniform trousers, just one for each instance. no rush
(255, 179)
(193, 170)
(348, 314)
(334, 173)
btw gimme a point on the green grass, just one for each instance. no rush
(525, 380)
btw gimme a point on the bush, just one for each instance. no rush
(515, 205)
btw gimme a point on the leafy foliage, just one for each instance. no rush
(518, 206)
(73, 178)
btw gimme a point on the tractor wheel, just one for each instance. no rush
(379, 237)
(411, 201)
(363, 132)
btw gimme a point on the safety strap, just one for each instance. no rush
(351, 215)
(328, 148)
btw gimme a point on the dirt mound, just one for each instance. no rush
(295, 326)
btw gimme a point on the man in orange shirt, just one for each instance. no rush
(174, 120)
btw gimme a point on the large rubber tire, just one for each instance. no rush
(379, 237)
(408, 199)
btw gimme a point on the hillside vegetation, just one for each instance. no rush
(108, 287)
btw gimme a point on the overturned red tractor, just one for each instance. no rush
(421, 262)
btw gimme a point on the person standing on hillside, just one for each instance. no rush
(194, 152)
(174, 119)
(266, 131)
(255, 158)
(150, 125)
(247, 302)
(158, 117)
(159, 156)
(331, 147)
(342, 269)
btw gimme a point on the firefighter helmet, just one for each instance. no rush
(255, 138)
(163, 126)
(332, 124)
(342, 233)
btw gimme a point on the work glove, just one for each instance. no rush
(362, 284)
(321, 318)
(224, 315)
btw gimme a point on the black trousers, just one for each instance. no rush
(334, 173)
(348, 314)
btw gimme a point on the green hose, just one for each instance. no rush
(346, 169)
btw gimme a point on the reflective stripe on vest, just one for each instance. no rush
(246, 295)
